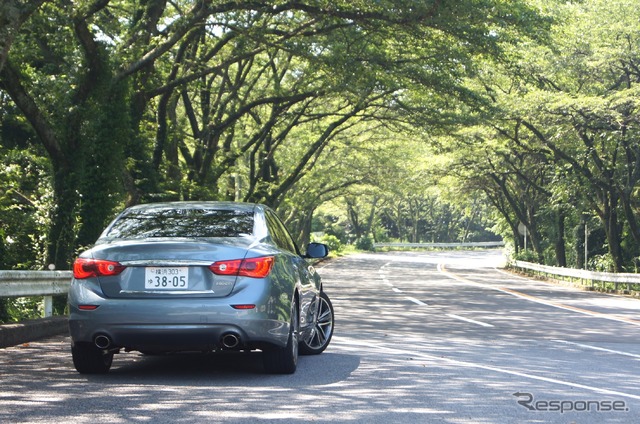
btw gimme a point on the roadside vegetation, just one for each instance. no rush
(358, 121)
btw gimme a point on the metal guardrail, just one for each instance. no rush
(442, 245)
(50, 283)
(35, 283)
(628, 279)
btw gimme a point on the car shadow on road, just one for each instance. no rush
(38, 383)
(224, 369)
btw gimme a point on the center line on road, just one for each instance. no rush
(472, 321)
(416, 301)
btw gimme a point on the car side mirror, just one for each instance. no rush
(317, 250)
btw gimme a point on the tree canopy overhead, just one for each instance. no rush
(139, 100)
(418, 117)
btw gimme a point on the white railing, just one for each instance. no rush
(50, 283)
(442, 245)
(35, 283)
(580, 274)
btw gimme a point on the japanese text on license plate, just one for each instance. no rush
(166, 278)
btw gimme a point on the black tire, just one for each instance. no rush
(322, 332)
(88, 359)
(284, 360)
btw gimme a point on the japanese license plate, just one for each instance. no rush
(166, 278)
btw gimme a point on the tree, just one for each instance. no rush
(130, 79)
(13, 14)
(573, 105)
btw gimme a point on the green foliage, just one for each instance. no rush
(365, 243)
(561, 138)
(526, 256)
(106, 134)
(334, 244)
(24, 202)
(421, 121)
(245, 108)
(20, 309)
(602, 263)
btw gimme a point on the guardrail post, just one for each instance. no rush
(48, 306)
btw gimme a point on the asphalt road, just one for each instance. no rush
(426, 337)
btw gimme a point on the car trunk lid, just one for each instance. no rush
(169, 268)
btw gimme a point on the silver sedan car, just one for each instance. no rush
(198, 277)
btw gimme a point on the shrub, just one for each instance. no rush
(365, 243)
(527, 256)
(332, 242)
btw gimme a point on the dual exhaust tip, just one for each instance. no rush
(102, 342)
(228, 340)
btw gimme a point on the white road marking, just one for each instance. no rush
(397, 290)
(435, 358)
(617, 352)
(530, 298)
(416, 301)
(383, 275)
(472, 321)
(351, 343)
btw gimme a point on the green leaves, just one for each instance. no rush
(568, 109)
(279, 101)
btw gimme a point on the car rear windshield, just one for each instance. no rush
(182, 223)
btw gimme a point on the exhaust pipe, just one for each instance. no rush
(102, 342)
(230, 340)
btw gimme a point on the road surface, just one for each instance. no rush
(428, 337)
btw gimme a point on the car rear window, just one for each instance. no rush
(206, 223)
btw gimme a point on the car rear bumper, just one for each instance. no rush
(252, 334)
(174, 324)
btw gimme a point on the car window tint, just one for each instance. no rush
(279, 233)
(182, 223)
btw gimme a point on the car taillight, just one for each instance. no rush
(251, 267)
(87, 268)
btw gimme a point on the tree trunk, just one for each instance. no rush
(609, 218)
(61, 237)
(561, 255)
(579, 235)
